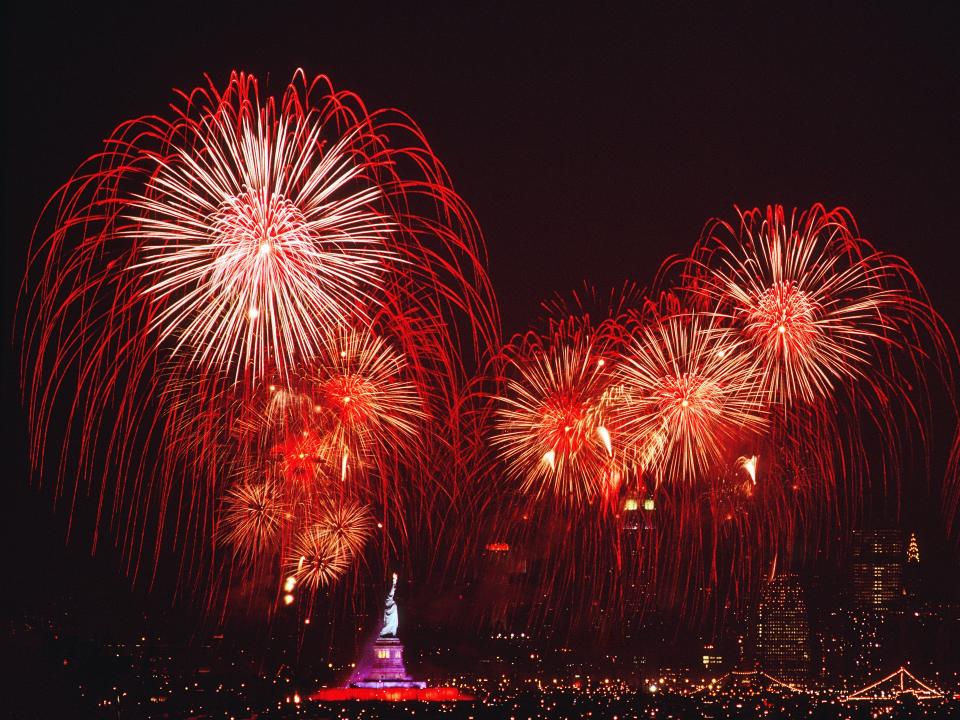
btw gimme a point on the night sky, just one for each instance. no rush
(591, 145)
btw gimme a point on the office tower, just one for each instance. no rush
(783, 633)
(878, 559)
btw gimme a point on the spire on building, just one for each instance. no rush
(913, 549)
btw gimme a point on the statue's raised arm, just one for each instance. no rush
(390, 615)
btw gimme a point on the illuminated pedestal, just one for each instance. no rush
(381, 676)
(384, 667)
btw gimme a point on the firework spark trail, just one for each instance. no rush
(359, 381)
(252, 516)
(793, 340)
(844, 339)
(347, 523)
(840, 328)
(253, 243)
(335, 433)
(315, 559)
(279, 302)
(749, 465)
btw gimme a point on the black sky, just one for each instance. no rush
(590, 143)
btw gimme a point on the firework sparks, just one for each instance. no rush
(251, 518)
(304, 242)
(749, 464)
(809, 296)
(254, 242)
(358, 380)
(348, 524)
(315, 560)
(550, 426)
(683, 400)
(203, 255)
(300, 456)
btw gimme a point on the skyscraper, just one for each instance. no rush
(878, 558)
(877, 573)
(783, 633)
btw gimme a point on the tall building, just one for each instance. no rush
(635, 574)
(878, 558)
(783, 633)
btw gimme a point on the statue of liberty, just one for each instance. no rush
(390, 613)
(381, 665)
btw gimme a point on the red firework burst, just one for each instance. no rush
(252, 516)
(256, 235)
(814, 301)
(687, 389)
(347, 523)
(360, 383)
(315, 559)
(550, 427)
(202, 256)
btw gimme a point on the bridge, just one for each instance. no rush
(897, 683)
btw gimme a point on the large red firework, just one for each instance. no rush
(551, 429)
(817, 304)
(844, 342)
(259, 318)
(215, 276)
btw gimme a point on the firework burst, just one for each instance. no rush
(688, 390)
(813, 300)
(255, 235)
(358, 381)
(550, 427)
(347, 523)
(315, 559)
(206, 255)
(251, 518)
(280, 296)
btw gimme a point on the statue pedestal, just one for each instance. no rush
(383, 667)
